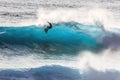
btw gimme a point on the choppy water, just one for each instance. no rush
(82, 45)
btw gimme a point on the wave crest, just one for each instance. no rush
(82, 15)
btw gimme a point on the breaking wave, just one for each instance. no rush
(65, 37)
(76, 45)
(65, 41)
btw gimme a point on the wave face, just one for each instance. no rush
(61, 37)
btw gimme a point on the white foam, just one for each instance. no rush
(82, 15)
(103, 61)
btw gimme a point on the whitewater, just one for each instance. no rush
(83, 44)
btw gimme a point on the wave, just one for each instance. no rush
(82, 45)
(56, 72)
(62, 36)
(43, 73)
(22, 46)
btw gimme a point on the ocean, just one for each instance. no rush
(83, 43)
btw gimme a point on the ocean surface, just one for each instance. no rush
(83, 44)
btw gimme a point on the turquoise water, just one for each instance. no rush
(62, 36)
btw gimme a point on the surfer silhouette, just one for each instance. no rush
(48, 27)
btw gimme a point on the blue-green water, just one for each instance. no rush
(62, 36)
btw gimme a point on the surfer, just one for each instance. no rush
(48, 27)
